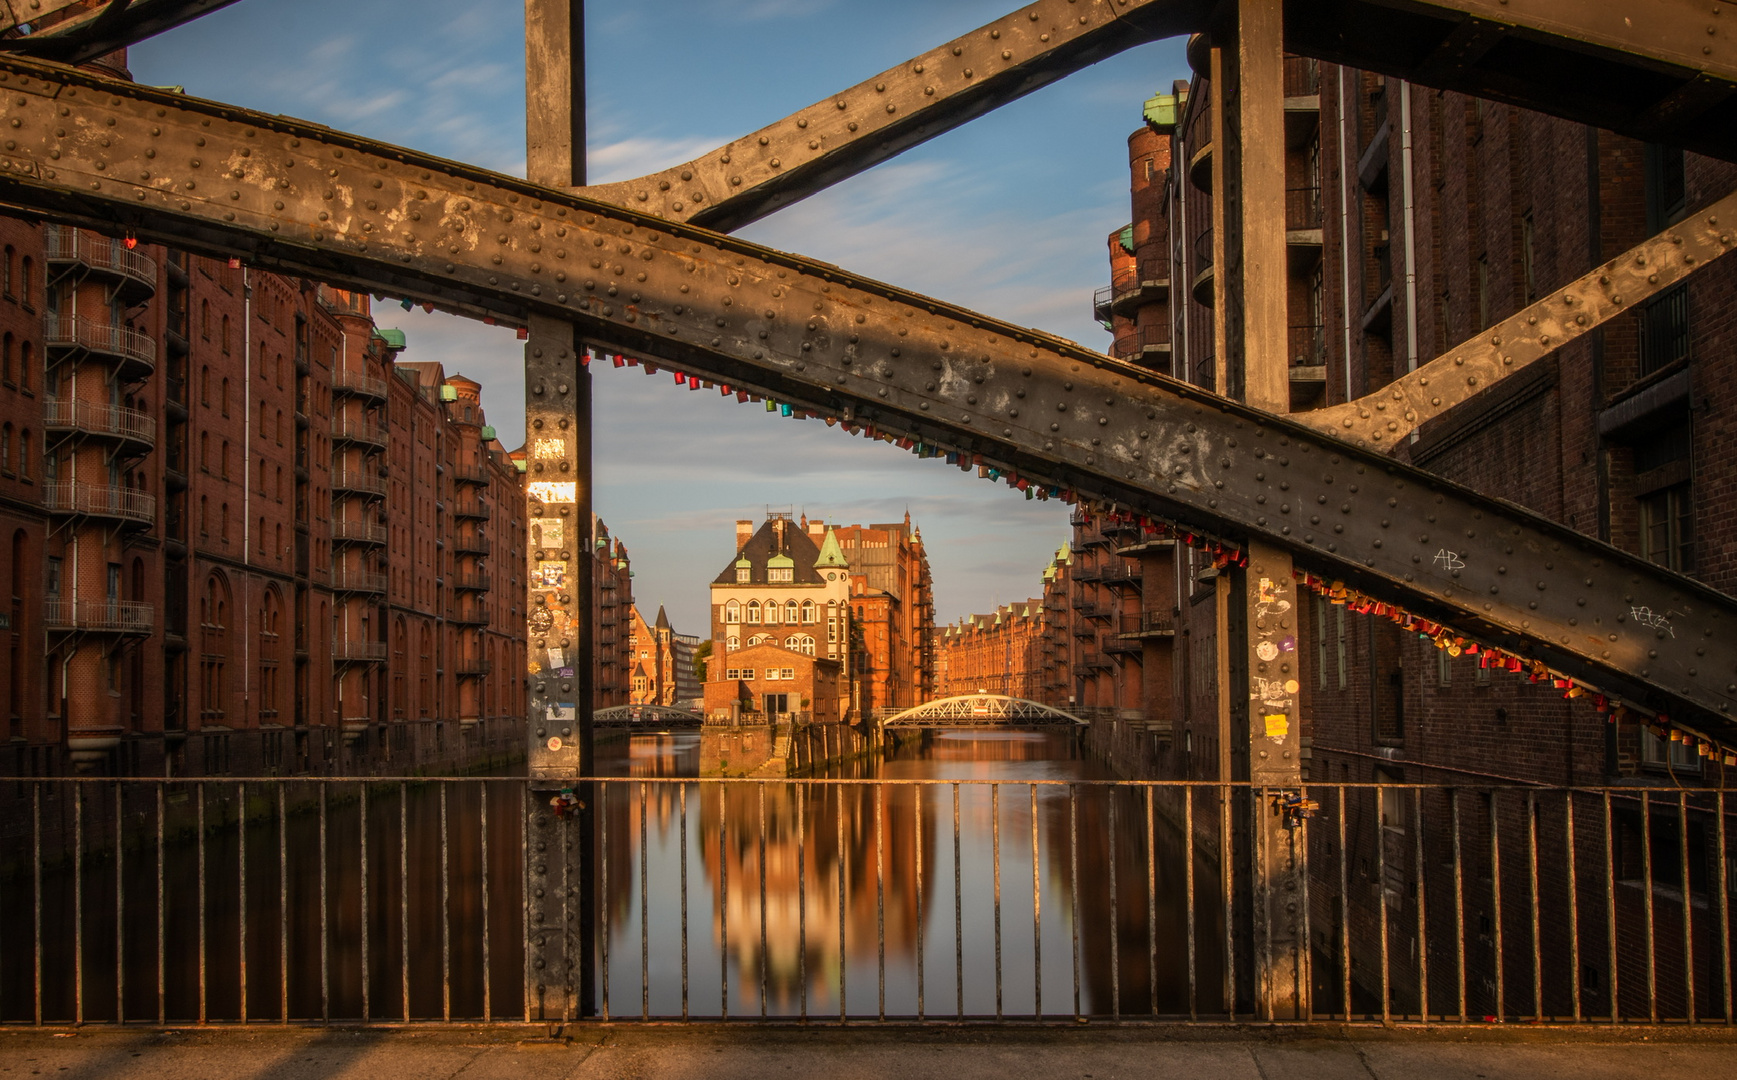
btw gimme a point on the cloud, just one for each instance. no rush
(634, 156)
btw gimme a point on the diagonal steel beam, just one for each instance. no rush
(308, 200)
(1383, 419)
(101, 30)
(880, 117)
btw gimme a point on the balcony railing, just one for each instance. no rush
(468, 667)
(358, 532)
(1121, 574)
(359, 480)
(358, 430)
(359, 384)
(471, 508)
(1149, 624)
(359, 652)
(470, 474)
(137, 351)
(92, 418)
(1092, 660)
(1303, 207)
(1302, 76)
(476, 615)
(1308, 346)
(100, 500)
(1664, 330)
(137, 271)
(470, 582)
(1123, 646)
(471, 545)
(351, 579)
(1148, 346)
(99, 616)
(1203, 249)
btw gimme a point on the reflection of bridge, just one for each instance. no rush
(655, 717)
(969, 710)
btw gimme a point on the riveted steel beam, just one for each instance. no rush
(1383, 419)
(1665, 70)
(880, 117)
(101, 30)
(305, 199)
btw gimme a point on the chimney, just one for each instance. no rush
(817, 529)
(744, 530)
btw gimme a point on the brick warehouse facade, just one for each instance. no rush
(998, 653)
(1414, 220)
(241, 535)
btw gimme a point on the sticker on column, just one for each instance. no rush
(557, 657)
(550, 575)
(552, 491)
(1278, 725)
(554, 743)
(549, 532)
(545, 449)
(1266, 650)
(561, 713)
(541, 620)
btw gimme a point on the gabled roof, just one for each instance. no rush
(779, 543)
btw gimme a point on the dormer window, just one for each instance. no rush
(742, 575)
(777, 574)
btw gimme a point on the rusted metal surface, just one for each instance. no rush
(901, 107)
(1383, 419)
(81, 36)
(308, 200)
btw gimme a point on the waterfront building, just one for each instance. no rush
(662, 663)
(998, 653)
(893, 601)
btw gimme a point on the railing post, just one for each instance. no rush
(1265, 624)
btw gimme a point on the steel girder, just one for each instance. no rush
(304, 199)
(1666, 72)
(97, 32)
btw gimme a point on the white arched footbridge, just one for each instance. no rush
(972, 710)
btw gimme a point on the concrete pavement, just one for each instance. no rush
(973, 1053)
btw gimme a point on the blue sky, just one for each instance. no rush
(1007, 215)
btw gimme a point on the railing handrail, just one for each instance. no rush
(76, 330)
(68, 244)
(357, 382)
(112, 500)
(359, 479)
(99, 418)
(99, 614)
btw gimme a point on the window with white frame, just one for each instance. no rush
(753, 612)
(733, 612)
(780, 573)
(734, 641)
(787, 674)
(791, 612)
(771, 612)
(741, 575)
(810, 613)
(802, 643)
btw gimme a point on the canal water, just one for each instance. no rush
(1019, 890)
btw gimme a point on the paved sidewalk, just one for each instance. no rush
(747, 1053)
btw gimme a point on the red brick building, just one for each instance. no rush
(767, 680)
(998, 653)
(892, 597)
(661, 663)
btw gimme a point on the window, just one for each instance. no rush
(224, 335)
(205, 319)
(1664, 330)
(791, 612)
(24, 455)
(759, 639)
(772, 674)
(24, 279)
(204, 451)
(205, 385)
(225, 401)
(225, 459)
(753, 612)
(780, 573)
(9, 271)
(810, 613)
(787, 673)
(802, 643)
(7, 373)
(223, 534)
(734, 642)
(1657, 753)
(732, 612)
(1482, 283)
(6, 449)
(771, 612)
(52, 584)
(26, 364)
(1667, 528)
(1444, 671)
(742, 575)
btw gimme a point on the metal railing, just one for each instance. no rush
(1308, 346)
(1664, 330)
(99, 616)
(361, 480)
(99, 500)
(356, 429)
(75, 332)
(474, 544)
(358, 532)
(1303, 207)
(310, 900)
(359, 651)
(471, 508)
(351, 579)
(1203, 249)
(1149, 622)
(359, 384)
(1302, 76)
(63, 244)
(93, 418)
(470, 474)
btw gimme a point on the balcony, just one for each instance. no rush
(471, 545)
(359, 652)
(99, 616)
(1121, 646)
(1088, 607)
(1122, 575)
(358, 532)
(472, 582)
(1308, 361)
(78, 417)
(471, 474)
(471, 508)
(1147, 346)
(351, 579)
(133, 272)
(1201, 287)
(471, 669)
(357, 384)
(359, 482)
(136, 352)
(475, 615)
(100, 501)
(1149, 624)
(1096, 661)
(358, 430)
(1200, 148)
(1146, 282)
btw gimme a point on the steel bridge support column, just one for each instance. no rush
(560, 817)
(1263, 617)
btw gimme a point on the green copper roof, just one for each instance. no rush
(1126, 238)
(393, 338)
(830, 553)
(1161, 111)
(780, 561)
